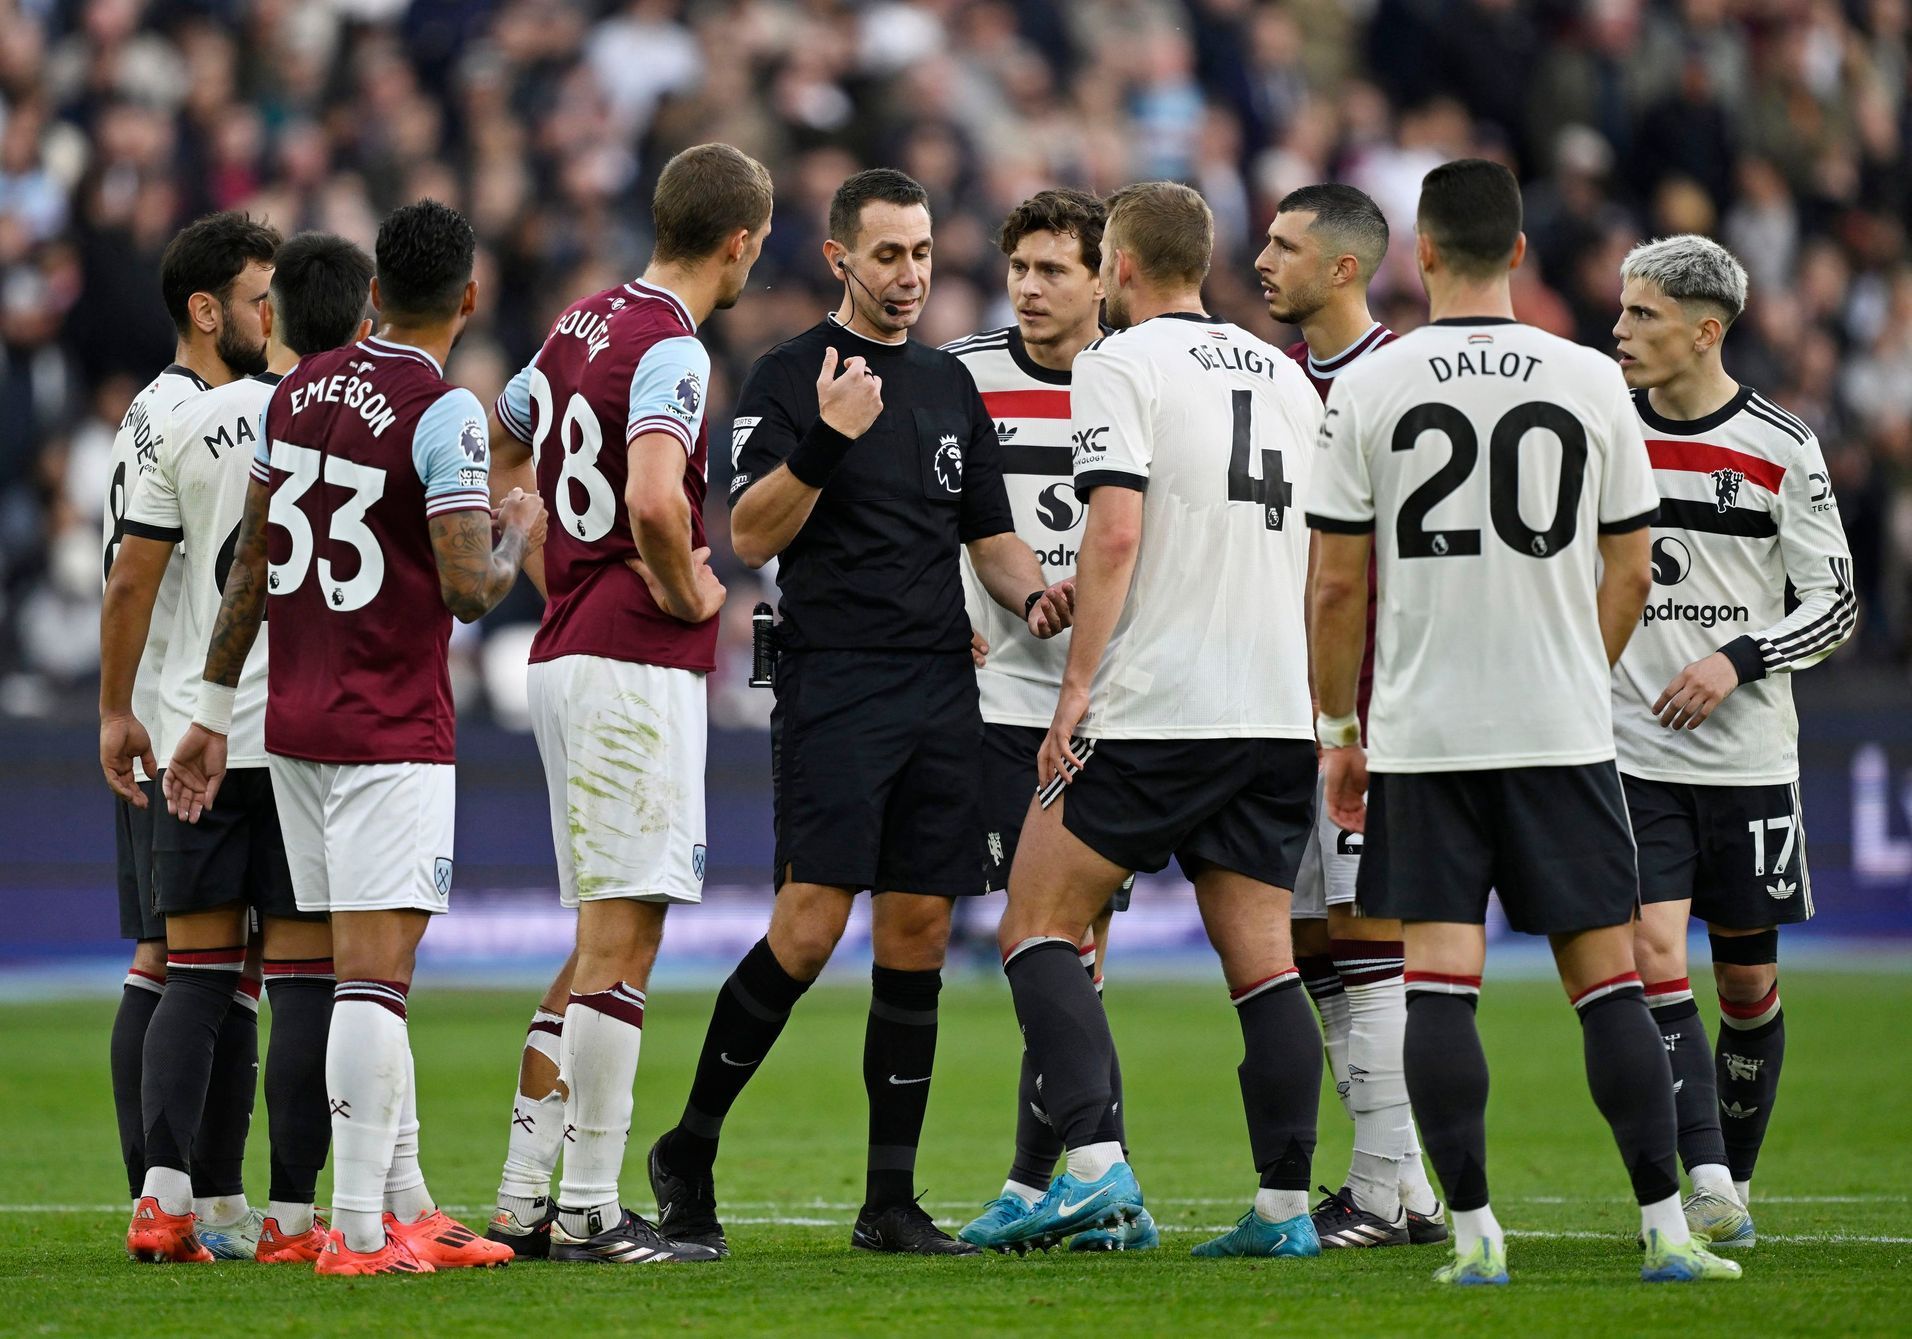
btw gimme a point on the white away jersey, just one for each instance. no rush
(1487, 457)
(1749, 558)
(1029, 404)
(1216, 428)
(194, 497)
(135, 452)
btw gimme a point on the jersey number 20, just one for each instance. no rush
(1412, 537)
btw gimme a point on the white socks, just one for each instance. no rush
(406, 1197)
(171, 1187)
(531, 1156)
(293, 1219)
(1375, 1181)
(537, 1125)
(1472, 1225)
(221, 1210)
(1017, 1190)
(1278, 1206)
(366, 1070)
(1417, 1192)
(602, 1034)
(1743, 1190)
(1091, 1162)
(1711, 1176)
(1668, 1219)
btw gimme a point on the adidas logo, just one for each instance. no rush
(1736, 1111)
(1004, 432)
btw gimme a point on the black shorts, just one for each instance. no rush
(873, 771)
(1008, 783)
(1553, 842)
(234, 853)
(133, 845)
(1739, 852)
(1243, 804)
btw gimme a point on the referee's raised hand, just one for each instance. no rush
(851, 401)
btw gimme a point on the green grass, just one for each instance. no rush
(1837, 1170)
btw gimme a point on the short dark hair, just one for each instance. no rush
(1345, 215)
(425, 252)
(1073, 213)
(1167, 229)
(705, 194)
(869, 186)
(1470, 209)
(208, 255)
(319, 286)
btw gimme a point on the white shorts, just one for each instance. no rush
(1328, 866)
(623, 749)
(366, 836)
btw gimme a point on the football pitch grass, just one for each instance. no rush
(1831, 1199)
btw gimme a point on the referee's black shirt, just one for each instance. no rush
(875, 567)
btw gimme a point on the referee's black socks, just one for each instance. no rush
(749, 1016)
(899, 1052)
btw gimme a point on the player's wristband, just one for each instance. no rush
(215, 707)
(1337, 732)
(1746, 658)
(817, 456)
(1028, 605)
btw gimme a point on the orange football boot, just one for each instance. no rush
(155, 1236)
(446, 1243)
(394, 1257)
(289, 1248)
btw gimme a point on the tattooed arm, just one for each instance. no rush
(198, 764)
(472, 575)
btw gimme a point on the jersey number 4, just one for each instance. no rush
(302, 466)
(1271, 492)
(583, 441)
(1412, 537)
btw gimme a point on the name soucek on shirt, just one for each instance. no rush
(1486, 457)
(1749, 558)
(135, 453)
(195, 497)
(363, 447)
(875, 566)
(1217, 430)
(617, 365)
(1029, 404)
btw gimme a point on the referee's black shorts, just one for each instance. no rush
(235, 853)
(133, 846)
(873, 771)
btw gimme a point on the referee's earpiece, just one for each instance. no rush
(843, 268)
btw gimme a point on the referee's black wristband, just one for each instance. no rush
(817, 456)
(1030, 603)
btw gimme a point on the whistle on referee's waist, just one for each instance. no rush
(763, 646)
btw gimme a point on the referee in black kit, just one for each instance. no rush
(863, 461)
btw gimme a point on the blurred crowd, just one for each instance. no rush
(1778, 126)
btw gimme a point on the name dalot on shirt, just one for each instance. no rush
(1484, 363)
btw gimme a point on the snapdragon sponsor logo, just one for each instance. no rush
(1706, 615)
